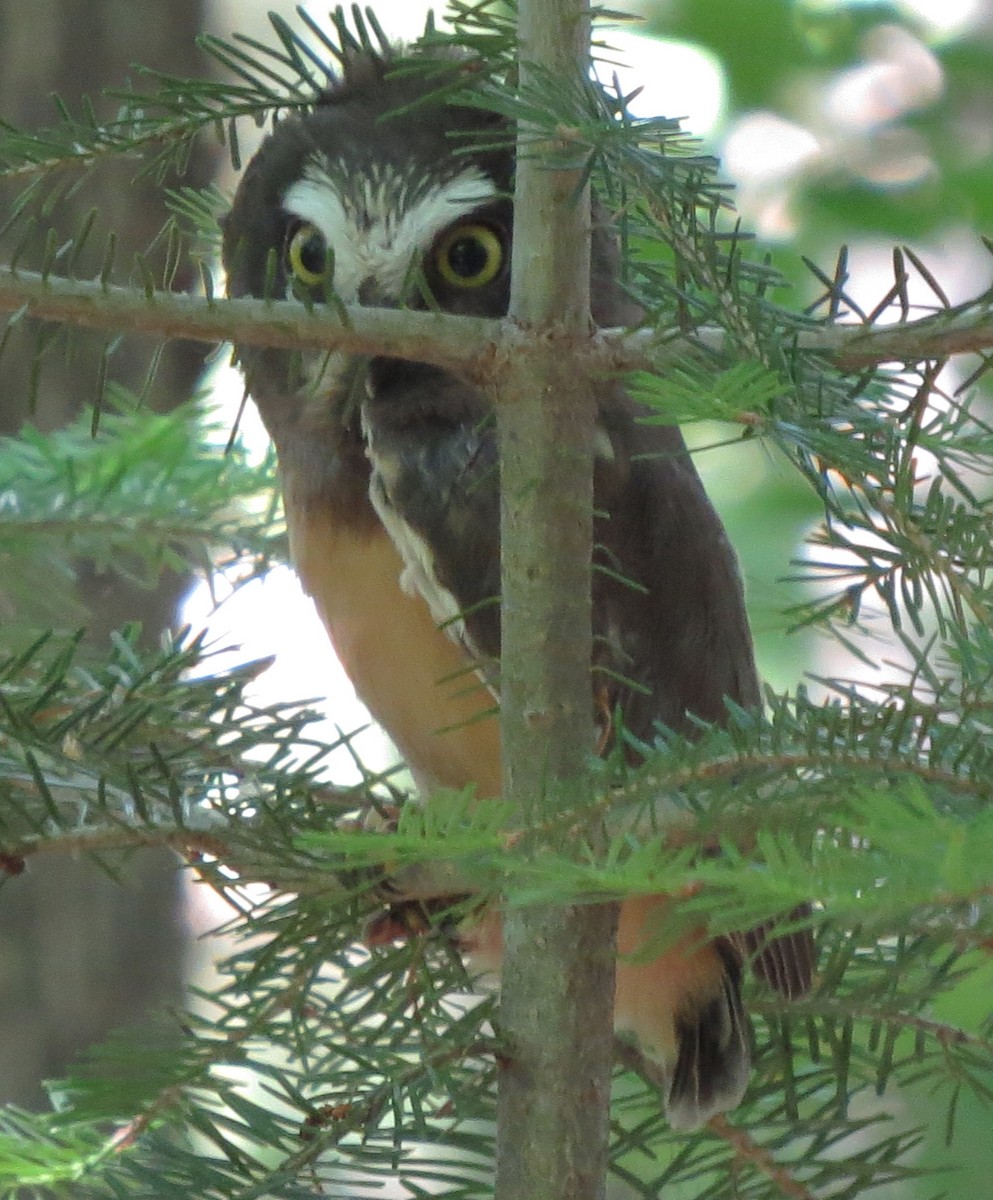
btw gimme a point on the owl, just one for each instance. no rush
(391, 193)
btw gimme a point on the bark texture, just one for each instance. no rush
(557, 989)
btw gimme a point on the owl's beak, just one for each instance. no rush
(371, 294)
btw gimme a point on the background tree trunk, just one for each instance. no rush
(79, 953)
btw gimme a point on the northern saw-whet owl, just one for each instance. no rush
(389, 473)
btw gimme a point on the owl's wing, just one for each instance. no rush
(671, 638)
(668, 607)
(670, 625)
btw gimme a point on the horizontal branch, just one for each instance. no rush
(967, 331)
(421, 882)
(185, 842)
(850, 346)
(791, 763)
(458, 343)
(475, 347)
(831, 1008)
(433, 880)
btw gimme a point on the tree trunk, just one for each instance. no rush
(558, 968)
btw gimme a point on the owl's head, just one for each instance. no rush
(380, 191)
(387, 192)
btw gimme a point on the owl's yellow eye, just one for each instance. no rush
(469, 256)
(308, 256)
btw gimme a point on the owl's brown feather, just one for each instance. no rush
(671, 636)
(411, 676)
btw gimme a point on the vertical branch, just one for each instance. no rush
(558, 965)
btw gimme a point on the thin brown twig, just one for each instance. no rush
(478, 348)
(748, 1152)
(944, 1034)
(746, 1149)
(219, 1050)
(184, 841)
(787, 761)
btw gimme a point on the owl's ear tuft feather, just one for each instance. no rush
(363, 66)
(361, 69)
(426, 72)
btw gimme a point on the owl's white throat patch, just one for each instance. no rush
(418, 577)
(377, 232)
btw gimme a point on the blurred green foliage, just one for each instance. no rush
(876, 980)
(776, 55)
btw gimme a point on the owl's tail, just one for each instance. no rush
(683, 1003)
(682, 1000)
(713, 1055)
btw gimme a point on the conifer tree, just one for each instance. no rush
(323, 1066)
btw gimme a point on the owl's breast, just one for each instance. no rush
(414, 679)
(418, 576)
(421, 575)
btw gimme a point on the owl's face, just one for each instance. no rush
(376, 205)
(384, 232)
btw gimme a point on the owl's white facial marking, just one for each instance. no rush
(378, 231)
